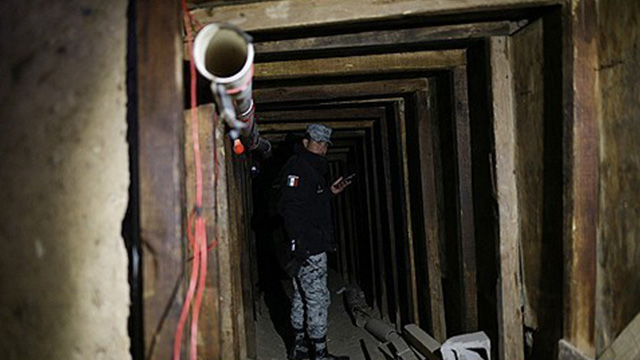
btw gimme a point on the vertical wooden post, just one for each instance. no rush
(431, 215)
(510, 345)
(160, 129)
(383, 302)
(581, 173)
(409, 254)
(466, 236)
(209, 323)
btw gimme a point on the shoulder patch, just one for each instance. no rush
(293, 181)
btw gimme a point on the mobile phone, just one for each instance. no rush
(350, 177)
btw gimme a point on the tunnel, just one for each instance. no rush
(493, 143)
(418, 108)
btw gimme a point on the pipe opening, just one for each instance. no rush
(227, 54)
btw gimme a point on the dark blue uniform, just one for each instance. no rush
(305, 206)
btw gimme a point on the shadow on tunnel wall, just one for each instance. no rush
(271, 244)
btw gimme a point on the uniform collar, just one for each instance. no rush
(318, 162)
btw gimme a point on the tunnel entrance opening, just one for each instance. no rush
(425, 111)
(420, 232)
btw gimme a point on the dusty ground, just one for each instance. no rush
(344, 338)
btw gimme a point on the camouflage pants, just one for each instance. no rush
(310, 293)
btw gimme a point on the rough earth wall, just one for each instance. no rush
(63, 180)
(618, 289)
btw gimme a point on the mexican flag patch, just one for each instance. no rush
(293, 181)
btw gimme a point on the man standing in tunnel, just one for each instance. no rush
(305, 206)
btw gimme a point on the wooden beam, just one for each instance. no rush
(160, 124)
(581, 173)
(292, 14)
(386, 38)
(230, 346)
(319, 114)
(431, 214)
(325, 92)
(466, 237)
(410, 260)
(510, 344)
(361, 65)
(301, 126)
(626, 345)
(566, 351)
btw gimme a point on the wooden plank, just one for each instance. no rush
(431, 213)
(247, 257)
(209, 323)
(526, 56)
(386, 37)
(361, 65)
(322, 114)
(383, 303)
(626, 345)
(504, 128)
(160, 165)
(566, 351)
(466, 237)
(228, 318)
(337, 91)
(236, 226)
(364, 182)
(618, 275)
(581, 173)
(301, 126)
(410, 261)
(292, 14)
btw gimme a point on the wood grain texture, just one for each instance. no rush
(426, 115)
(387, 37)
(160, 129)
(504, 124)
(361, 65)
(626, 345)
(337, 91)
(275, 15)
(209, 323)
(466, 236)
(618, 284)
(527, 65)
(581, 174)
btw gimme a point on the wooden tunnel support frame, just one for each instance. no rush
(161, 130)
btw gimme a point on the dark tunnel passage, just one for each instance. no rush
(414, 107)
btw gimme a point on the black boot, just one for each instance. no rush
(324, 355)
(321, 352)
(299, 350)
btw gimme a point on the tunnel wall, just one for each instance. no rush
(618, 287)
(64, 179)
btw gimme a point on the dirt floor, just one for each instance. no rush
(273, 329)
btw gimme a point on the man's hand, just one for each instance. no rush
(339, 185)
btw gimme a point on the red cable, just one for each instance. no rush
(199, 244)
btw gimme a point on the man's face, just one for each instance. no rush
(316, 147)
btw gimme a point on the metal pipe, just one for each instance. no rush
(224, 54)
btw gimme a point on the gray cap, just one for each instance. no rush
(319, 132)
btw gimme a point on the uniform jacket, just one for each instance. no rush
(305, 203)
